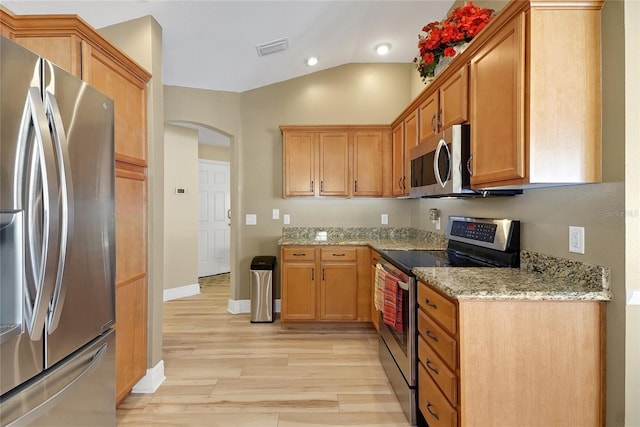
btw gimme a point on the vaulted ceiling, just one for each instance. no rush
(212, 44)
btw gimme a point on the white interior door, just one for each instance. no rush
(214, 203)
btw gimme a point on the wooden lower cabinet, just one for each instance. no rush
(510, 362)
(328, 283)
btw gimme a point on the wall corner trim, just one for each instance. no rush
(180, 292)
(151, 381)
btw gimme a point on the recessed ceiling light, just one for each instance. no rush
(383, 48)
(312, 61)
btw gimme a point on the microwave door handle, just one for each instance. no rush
(436, 166)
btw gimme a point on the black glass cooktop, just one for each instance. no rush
(408, 259)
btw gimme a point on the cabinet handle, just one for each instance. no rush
(400, 183)
(433, 125)
(440, 119)
(435, 414)
(404, 180)
(312, 186)
(433, 337)
(323, 274)
(469, 165)
(430, 304)
(313, 274)
(355, 186)
(430, 366)
(342, 254)
(321, 186)
(300, 254)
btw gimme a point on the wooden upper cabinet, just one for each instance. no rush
(446, 106)
(129, 97)
(299, 160)
(398, 165)
(367, 163)
(334, 165)
(497, 106)
(63, 50)
(429, 117)
(535, 112)
(336, 161)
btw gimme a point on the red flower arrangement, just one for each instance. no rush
(462, 25)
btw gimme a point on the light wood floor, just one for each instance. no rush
(223, 370)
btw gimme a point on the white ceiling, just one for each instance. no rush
(212, 44)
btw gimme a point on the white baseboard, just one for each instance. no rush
(180, 292)
(240, 306)
(152, 380)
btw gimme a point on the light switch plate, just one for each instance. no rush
(384, 219)
(251, 219)
(275, 214)
(287, 219)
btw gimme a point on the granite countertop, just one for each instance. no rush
(540, 277)
(508, 284)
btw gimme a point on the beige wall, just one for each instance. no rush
(141, 39)
(180, 210)
(213, 152)
(632, 210)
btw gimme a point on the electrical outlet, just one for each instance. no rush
(576, 239)
(287, 219)
(384, 219)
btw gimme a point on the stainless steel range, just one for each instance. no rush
(473, 242)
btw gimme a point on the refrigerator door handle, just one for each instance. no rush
(42, 256)
(66, 202)
(42, 408)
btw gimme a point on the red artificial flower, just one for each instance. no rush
(449, 51)
(462, 24)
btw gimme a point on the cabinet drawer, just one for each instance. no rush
(433, 404)
(438, 339)
(296, 253)
(440, 308)
(440, 373)
(338, 254)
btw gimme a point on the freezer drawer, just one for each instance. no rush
(79, 391)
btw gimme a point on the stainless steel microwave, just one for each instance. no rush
(441, 167)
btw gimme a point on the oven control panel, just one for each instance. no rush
(498, 234)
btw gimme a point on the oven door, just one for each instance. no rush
(401, 341)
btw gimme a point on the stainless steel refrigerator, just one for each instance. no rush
(57, 246)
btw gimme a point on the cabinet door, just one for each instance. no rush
(367, 164)
(129, 98)
(299, 163)
(334, 163)
(429, 117)
(497, 107)
(338, 291)
(63, 50)
(298, 291)
(398, 159)
(454, 96)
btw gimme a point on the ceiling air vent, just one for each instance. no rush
(272, 47)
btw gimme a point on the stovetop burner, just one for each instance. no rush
(408, 259)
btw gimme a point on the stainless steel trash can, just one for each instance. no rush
(262, 289)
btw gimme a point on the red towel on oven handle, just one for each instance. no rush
(392, 314)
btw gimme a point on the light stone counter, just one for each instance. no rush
(540, 277)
